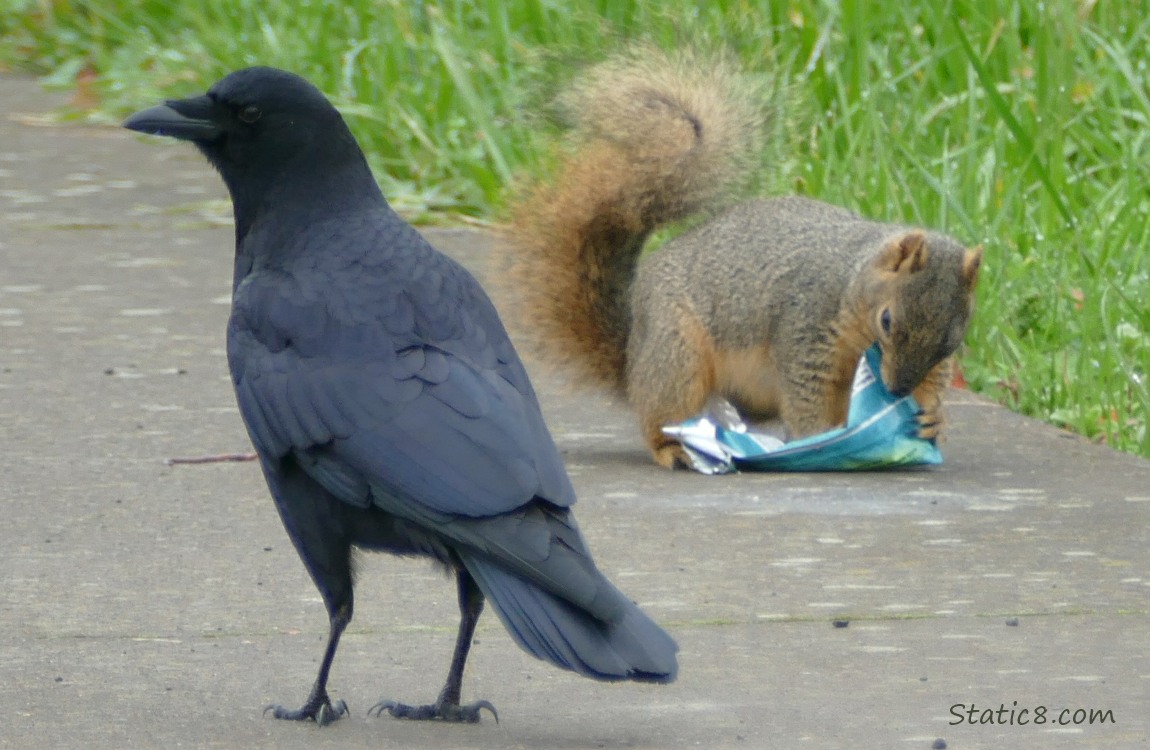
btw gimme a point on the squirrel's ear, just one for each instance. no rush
(971, 262)
(906, 253)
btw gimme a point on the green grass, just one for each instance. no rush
(1023, 126)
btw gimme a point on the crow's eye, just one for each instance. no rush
(250, 114)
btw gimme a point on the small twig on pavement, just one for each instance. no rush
(220, 458)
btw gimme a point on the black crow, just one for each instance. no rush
(386, 402)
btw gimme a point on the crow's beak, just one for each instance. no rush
(186, 119)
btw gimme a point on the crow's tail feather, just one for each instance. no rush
(552, 629)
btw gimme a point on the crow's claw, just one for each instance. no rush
(466, 714)
(322, 712)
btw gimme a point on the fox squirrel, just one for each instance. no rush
(769, 303)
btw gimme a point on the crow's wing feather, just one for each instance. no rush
(403, 371)
(469, 479)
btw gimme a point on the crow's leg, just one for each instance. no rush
(318, 525)
(447, 706)
(319, 707)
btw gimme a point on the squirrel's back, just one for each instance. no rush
(654, 140)
(784, 245)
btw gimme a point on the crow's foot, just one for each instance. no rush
(320, 710)
(442, 711)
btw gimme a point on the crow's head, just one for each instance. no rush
(250, 116)
(266, 131)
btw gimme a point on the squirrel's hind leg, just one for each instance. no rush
(669, 377)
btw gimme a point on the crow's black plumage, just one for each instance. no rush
(385, 400)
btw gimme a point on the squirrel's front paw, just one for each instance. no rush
(929, 425)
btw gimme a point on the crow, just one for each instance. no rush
(387, 405)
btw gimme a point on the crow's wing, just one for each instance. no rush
(398, 386)
(393, 369)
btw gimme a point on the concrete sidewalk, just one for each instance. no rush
(154, 606)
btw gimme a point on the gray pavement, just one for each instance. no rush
(153, 606)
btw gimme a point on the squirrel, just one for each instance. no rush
(767, 302)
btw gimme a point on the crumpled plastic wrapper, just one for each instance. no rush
(881, 432)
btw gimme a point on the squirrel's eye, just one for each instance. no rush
(885, 321)
(250, 114)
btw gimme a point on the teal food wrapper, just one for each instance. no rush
(881, 432)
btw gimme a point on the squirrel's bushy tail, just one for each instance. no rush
(654, 139)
